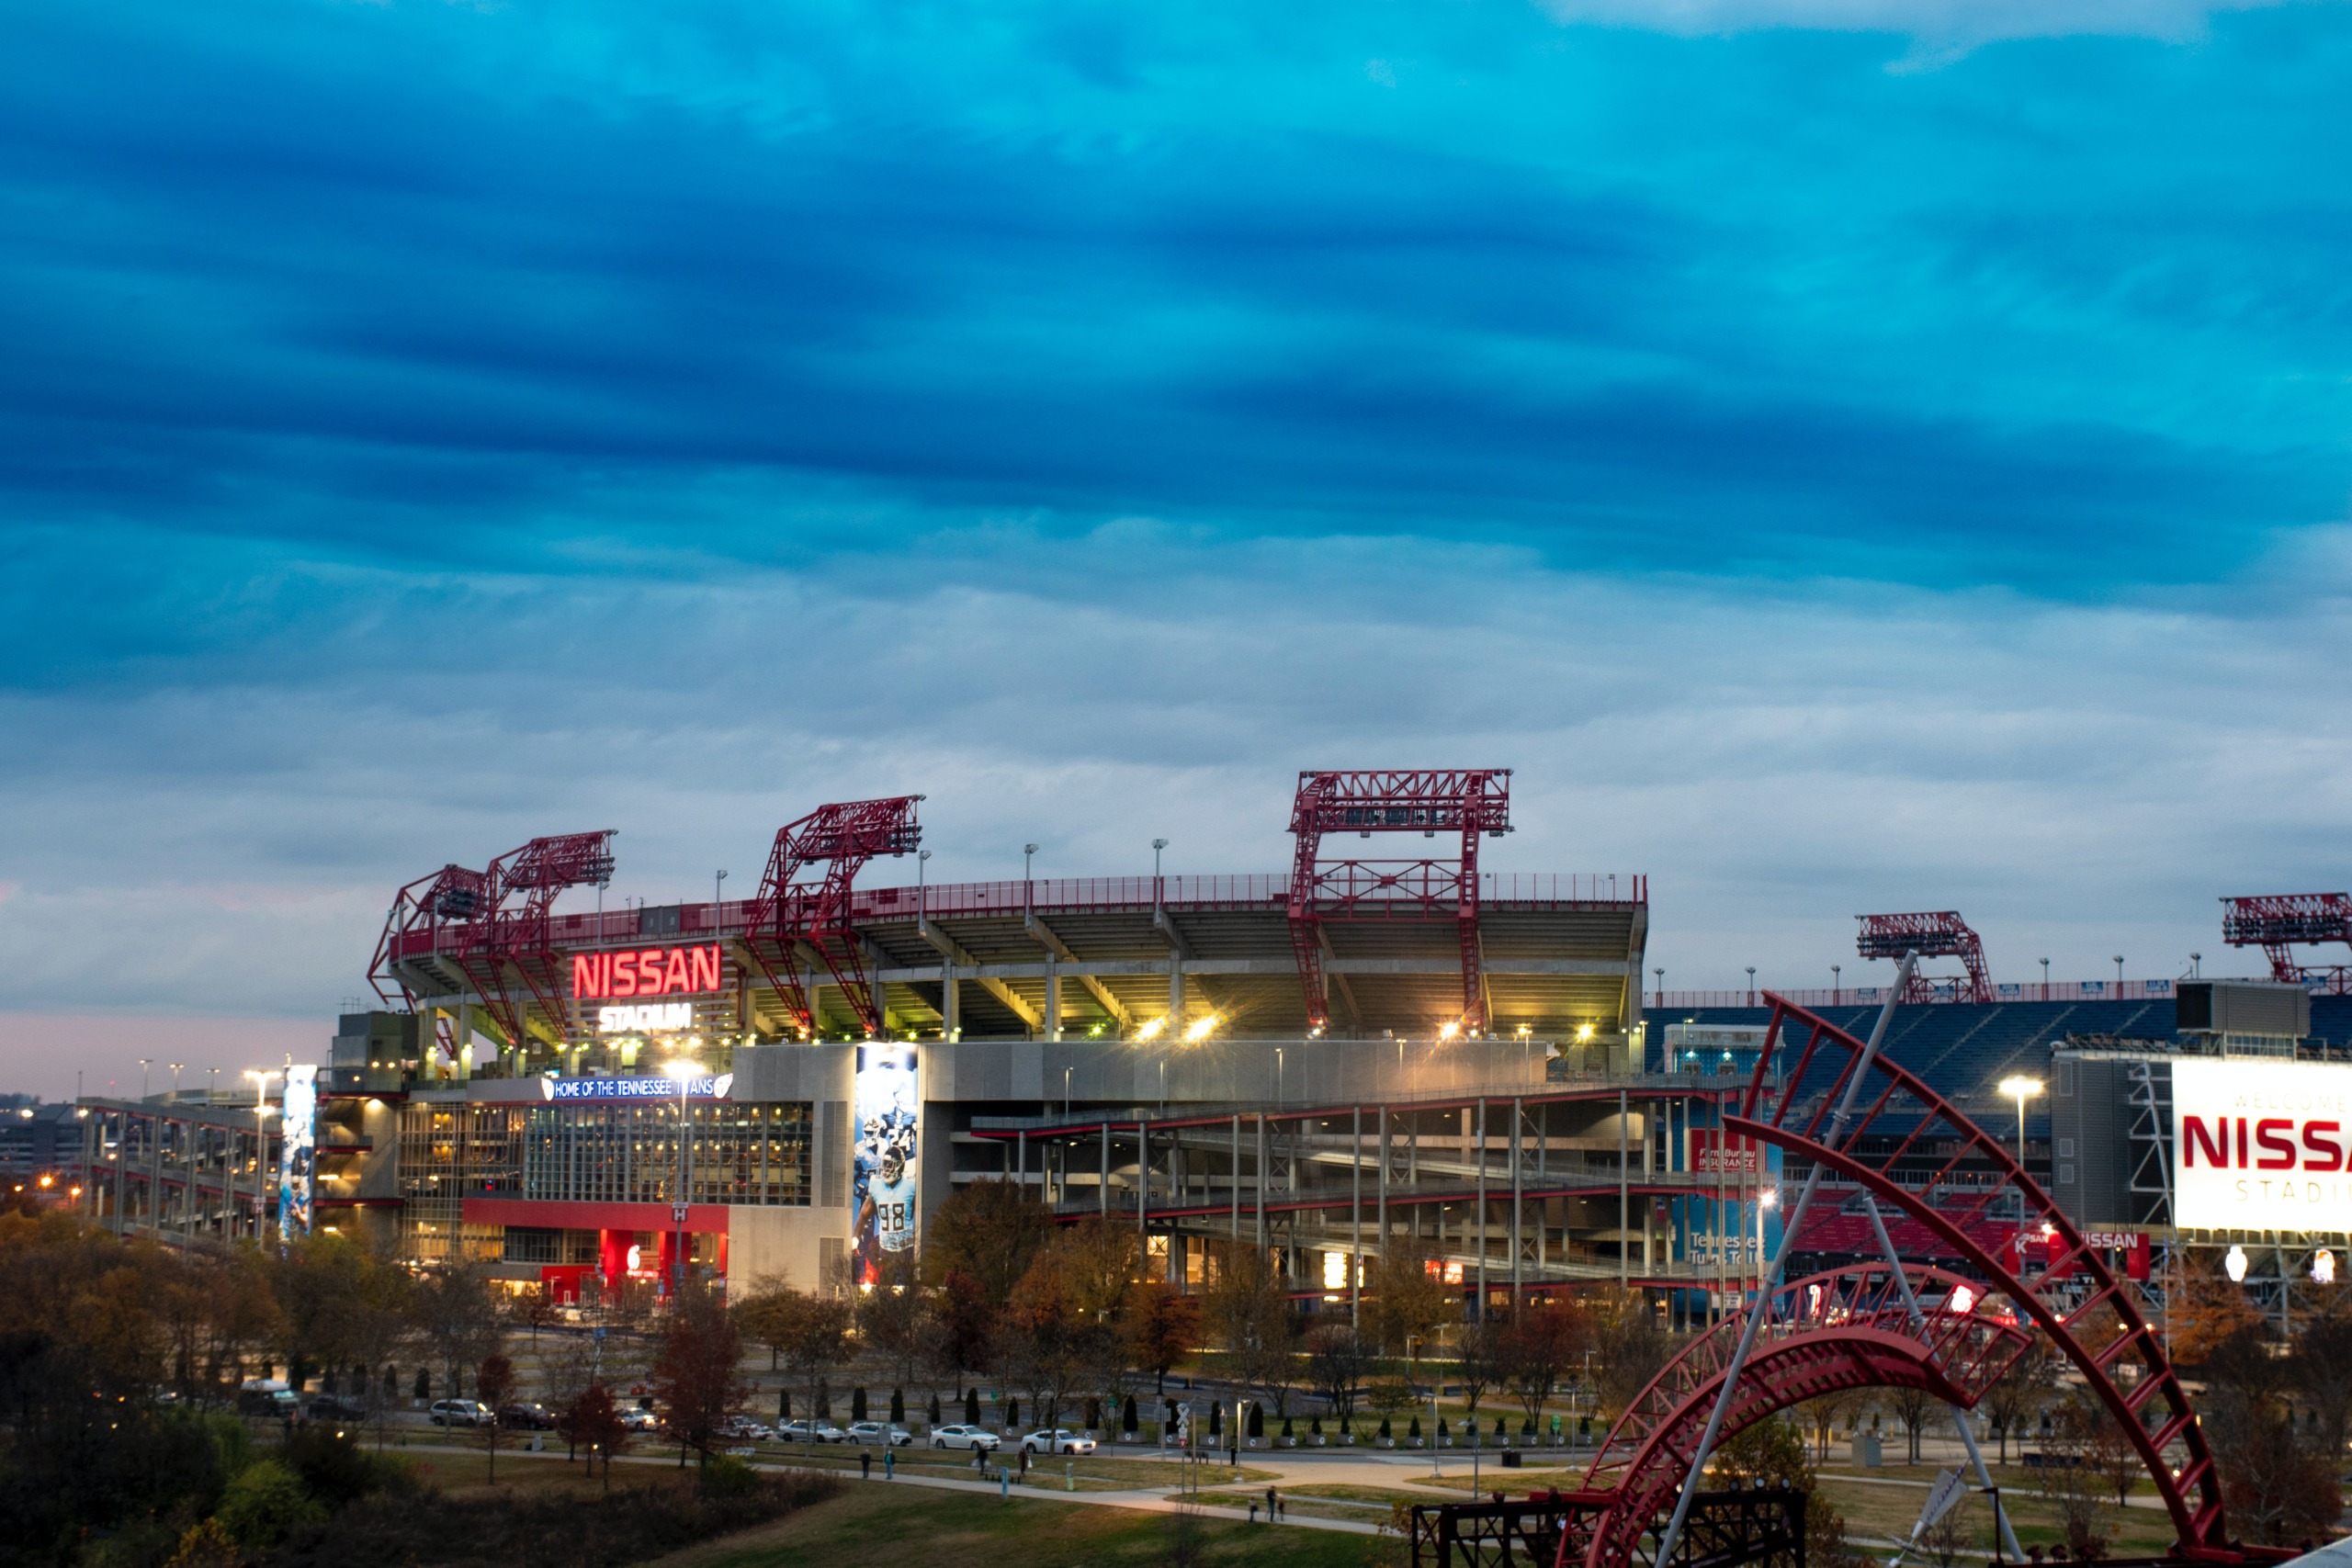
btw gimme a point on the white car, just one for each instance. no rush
(743, 1429)
(640, 1420)
(462, 1413)
(881, 1433)
(1061, 1440)
(809, 1432)
(962, 1436)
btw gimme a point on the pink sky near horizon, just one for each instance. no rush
(40, 1053)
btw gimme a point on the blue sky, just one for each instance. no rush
(1847, 454)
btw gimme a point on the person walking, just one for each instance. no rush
(866, 1464)
(890, 1464)
(1273, 1504)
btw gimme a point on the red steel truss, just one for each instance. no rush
(794, 909)
(494, 926)
(1941, 934)
(1468, 801)
(1844, 1329)
(2276, 921)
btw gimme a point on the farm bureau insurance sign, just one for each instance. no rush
(2261, 1146)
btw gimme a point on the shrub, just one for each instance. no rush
(727, 1476)
(265, 1504)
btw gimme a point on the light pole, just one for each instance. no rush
(2020, 1088)
(1660, 972)
(1836, 984)
(2046, 979)
(2196, 965)
(1751, 985)
(2119, 977)
(717, 896)
(261, 1142)
(1028, 853)
(683, 1072)
(1157, 845)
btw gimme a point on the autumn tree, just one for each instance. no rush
(696, 1381)
(1630, 1346)
(959, 1329)
(455, 1320)
(1248, 1312)
(1539, 1345)
(2321, 1360)
(989, 1232)
(1163, 1327)
(494, 1386)
(813, 1332)
(889, 1317)
(1337, 1362)
(590, 1420)
(2020, 1393)
(1408, 1301)
(1058, 1337)
(1478, 1361)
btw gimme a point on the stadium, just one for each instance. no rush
(1361, 1054)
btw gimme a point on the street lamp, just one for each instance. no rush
(2046, 979)
(261, 1140)
(1028, 853)
(1660, 972)
(2020, 1088)
(1837, 984)
(1751, 985)
(2119, 977)
(683, 1072)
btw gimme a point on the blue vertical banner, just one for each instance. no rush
(885, 1171)
(296, 1151)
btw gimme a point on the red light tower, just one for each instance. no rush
(1942, 934)
(1469, 801)
(793, 908)
(490, 923)
(2275, 922)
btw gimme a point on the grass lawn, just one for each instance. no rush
(885, 1524)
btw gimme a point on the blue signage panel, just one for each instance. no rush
(711, 1087)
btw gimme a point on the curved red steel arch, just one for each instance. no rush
(1847, 1328)
(1935, 1144)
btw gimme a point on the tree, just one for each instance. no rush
(1630, 1346)
(539, 1308)
(989, 1232)
(594, 1422)
(1163, 1327)
(1913, 1407)
(455, 1320)
(1336, 1365)
(1248, 1310)
(1480, 1362)
(814, 1335)
(890, 1316)
(2323, 1366)
(494, 1386)
(695, 1376)
(959, 1329)
(1053, 1343)
(1410, 1302)
(2021, 1390)
(1539, 1345)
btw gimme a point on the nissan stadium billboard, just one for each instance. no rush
(2261, 1145)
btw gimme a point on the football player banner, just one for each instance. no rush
(884, 1169)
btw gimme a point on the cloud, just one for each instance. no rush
(1946, 27)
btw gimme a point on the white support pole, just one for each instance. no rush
(1769, 1279)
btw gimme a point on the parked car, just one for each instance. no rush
(638, 1420)
(1061, 1440)
(460, 1413)
(338, 1407)
(962, 1436)
(880, 1433)
(810, 1432)
(529, 1415)
(743, 1429)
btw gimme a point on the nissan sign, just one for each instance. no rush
(2261, 1146)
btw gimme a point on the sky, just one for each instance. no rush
(1845, 455)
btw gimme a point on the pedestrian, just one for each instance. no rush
(890, 1464)
(1253, 1513)
(1025, 1462)
(866, 1464)
(1272, 1502)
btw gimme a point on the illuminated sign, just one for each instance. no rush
(1712, 1153)
(648, 971)
(712, 1088)
(884, 1170)
(2261, 1146)
(644, 1018)
(297, 1151)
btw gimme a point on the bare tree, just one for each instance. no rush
(457, 1322)
(2020, 1393)
(1336, 1365)
(494, 1386)
(695, 1379)
(1913, 1407)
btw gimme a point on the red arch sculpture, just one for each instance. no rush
(1924, 1148)
(1847, 1328)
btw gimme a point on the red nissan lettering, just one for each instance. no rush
(621, 978)
(2270, 1143)
(585, 982)
(705, 967)
(2322, 1153)
(676, 980)
(2215, 1142)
